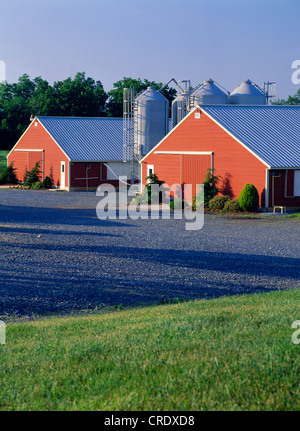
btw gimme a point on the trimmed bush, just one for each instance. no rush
(249, 198)
(232, 206)
(47, 183)
(218, 202)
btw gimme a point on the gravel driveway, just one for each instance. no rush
(58, 257)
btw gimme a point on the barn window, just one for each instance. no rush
(150, 170)
(297, 183)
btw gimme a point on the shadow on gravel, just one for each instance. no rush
(42, 231)
(127, 276)
(249, 264)
(37, 215)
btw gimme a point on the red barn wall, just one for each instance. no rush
(231, 159)
(37, 138)
(83, 179)
(281, 189)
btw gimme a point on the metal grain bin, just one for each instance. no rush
(179, 109)
(151, 117)
(247, 94)
(209, 94)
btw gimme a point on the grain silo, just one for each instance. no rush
(179, 109)
(248, 93)
(151, 117)
(209, 93)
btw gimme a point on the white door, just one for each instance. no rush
(150, 170)
(62, 175)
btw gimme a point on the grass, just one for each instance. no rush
(3, 160)
(294, 215)
(233, 353)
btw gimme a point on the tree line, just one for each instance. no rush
(81, 96)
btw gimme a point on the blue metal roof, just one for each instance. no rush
(270, 132)
(83, 138)
(88, 138)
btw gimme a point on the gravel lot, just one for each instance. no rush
(58, 257)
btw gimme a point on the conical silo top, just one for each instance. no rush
(209, 88)
(247, 88)
(151, 94)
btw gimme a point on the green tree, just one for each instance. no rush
(14, 109)
(291, 100)
(80, 96)
(115, 96)
(44, 101)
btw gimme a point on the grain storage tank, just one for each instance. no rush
(179, 108)
(151, 118)
(247, 94)
(209, 93)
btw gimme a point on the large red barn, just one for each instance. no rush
(243, 144)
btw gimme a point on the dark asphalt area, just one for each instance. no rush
(58, 257)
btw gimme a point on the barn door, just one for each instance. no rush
(32, 158)
(194, 168)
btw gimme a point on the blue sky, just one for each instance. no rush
(227, 40)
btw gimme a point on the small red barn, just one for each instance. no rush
(76, 153)
(244, 144)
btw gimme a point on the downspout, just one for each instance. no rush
(88, 166)
(43, 173)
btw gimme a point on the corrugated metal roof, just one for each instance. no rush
(270, 132)
(83, 138)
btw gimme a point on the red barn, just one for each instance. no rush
(244, 144)
(76, 153)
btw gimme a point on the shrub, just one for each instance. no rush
(178, 204)
(149, 194)
(218, 202)
(47, 183)
(232, 206)
(137, 199)
(249, 198)
(210, 186)
(8, 175)
(37, 186)
(33, 176)
(210, 189)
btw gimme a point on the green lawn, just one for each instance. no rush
(233, 353)
(294, 215)
(3, 160)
